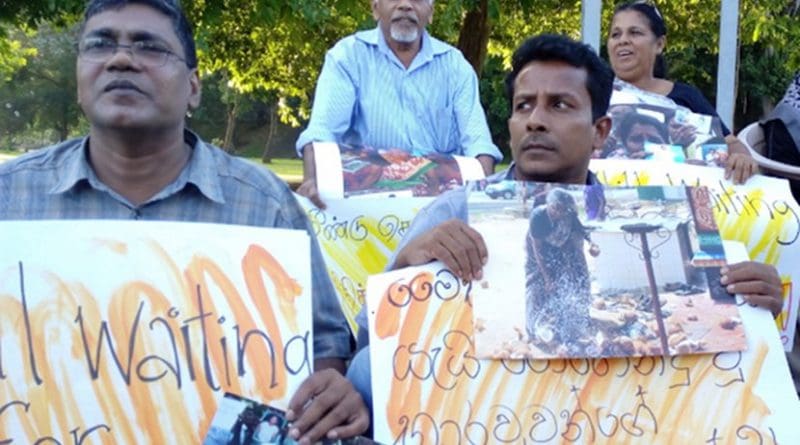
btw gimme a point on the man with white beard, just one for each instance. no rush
(395, 86)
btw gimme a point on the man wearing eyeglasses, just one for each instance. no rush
(137, 78)
(395, 86)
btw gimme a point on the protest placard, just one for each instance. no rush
(357, 238)
(130, 332)
(428, 386)
(761, 214)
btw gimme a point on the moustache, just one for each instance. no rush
(410, 17)
(537, 140)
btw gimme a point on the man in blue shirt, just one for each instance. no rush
(137, 78)
(559, 91)
(395, 86)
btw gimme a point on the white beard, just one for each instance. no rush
(402, 34)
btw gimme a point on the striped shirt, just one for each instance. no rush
(58, 183)
(365, 96)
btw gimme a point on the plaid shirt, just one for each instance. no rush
(58, 183)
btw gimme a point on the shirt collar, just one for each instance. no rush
(74, 169)
(508, 175)
(431, 47)
(202, 171)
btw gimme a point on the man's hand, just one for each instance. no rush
(326, 406)
(758, 283)
(309, 186)
(457, 245)
(309, 189)
(740, 166)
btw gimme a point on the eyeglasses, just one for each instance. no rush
(148, 53)
(651, 4)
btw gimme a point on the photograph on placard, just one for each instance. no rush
(242, 421)
(368, 170)
(588, 271)
(650, 132)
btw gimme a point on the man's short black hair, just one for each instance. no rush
(170, 8)
(550, 47)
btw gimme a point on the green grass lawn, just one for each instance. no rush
(290, 170)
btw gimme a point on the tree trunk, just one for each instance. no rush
(230, 127)
(474, 36)
(271, 127)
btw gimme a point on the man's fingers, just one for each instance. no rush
(759, 283)
(346, 416)
(356, 425)
(455, 244)
(326, 404)
(774, 305)
(309, 189)
(468, 249)
(750, 270)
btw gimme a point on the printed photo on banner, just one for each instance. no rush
(652, 132)
(242, 421)
(348, 171)
(129, 332)
(762, 214)
(588, 271)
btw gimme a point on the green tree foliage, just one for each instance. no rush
(40, 97)
(269, 52)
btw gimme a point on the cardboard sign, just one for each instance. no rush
(592, 271)
(357, 238)
(761, 214)
(428, 386)
(130, 332)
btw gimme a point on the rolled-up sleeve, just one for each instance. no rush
(334, 102)
(476, 139)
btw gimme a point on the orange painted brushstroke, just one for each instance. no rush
(616, 395)
(122, 306)
(258, 260)
(196, 274)
(407, 394)
(387, 320)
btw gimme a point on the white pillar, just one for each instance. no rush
(728, 60)
(590, 22)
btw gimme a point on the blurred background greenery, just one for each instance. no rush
(260, 59)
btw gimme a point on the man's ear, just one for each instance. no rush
(375, 14)
(602, 128)
(195, 91)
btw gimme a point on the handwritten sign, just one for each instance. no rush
(130, 332)
(357, 238)
(428, 387)
(761, 214)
